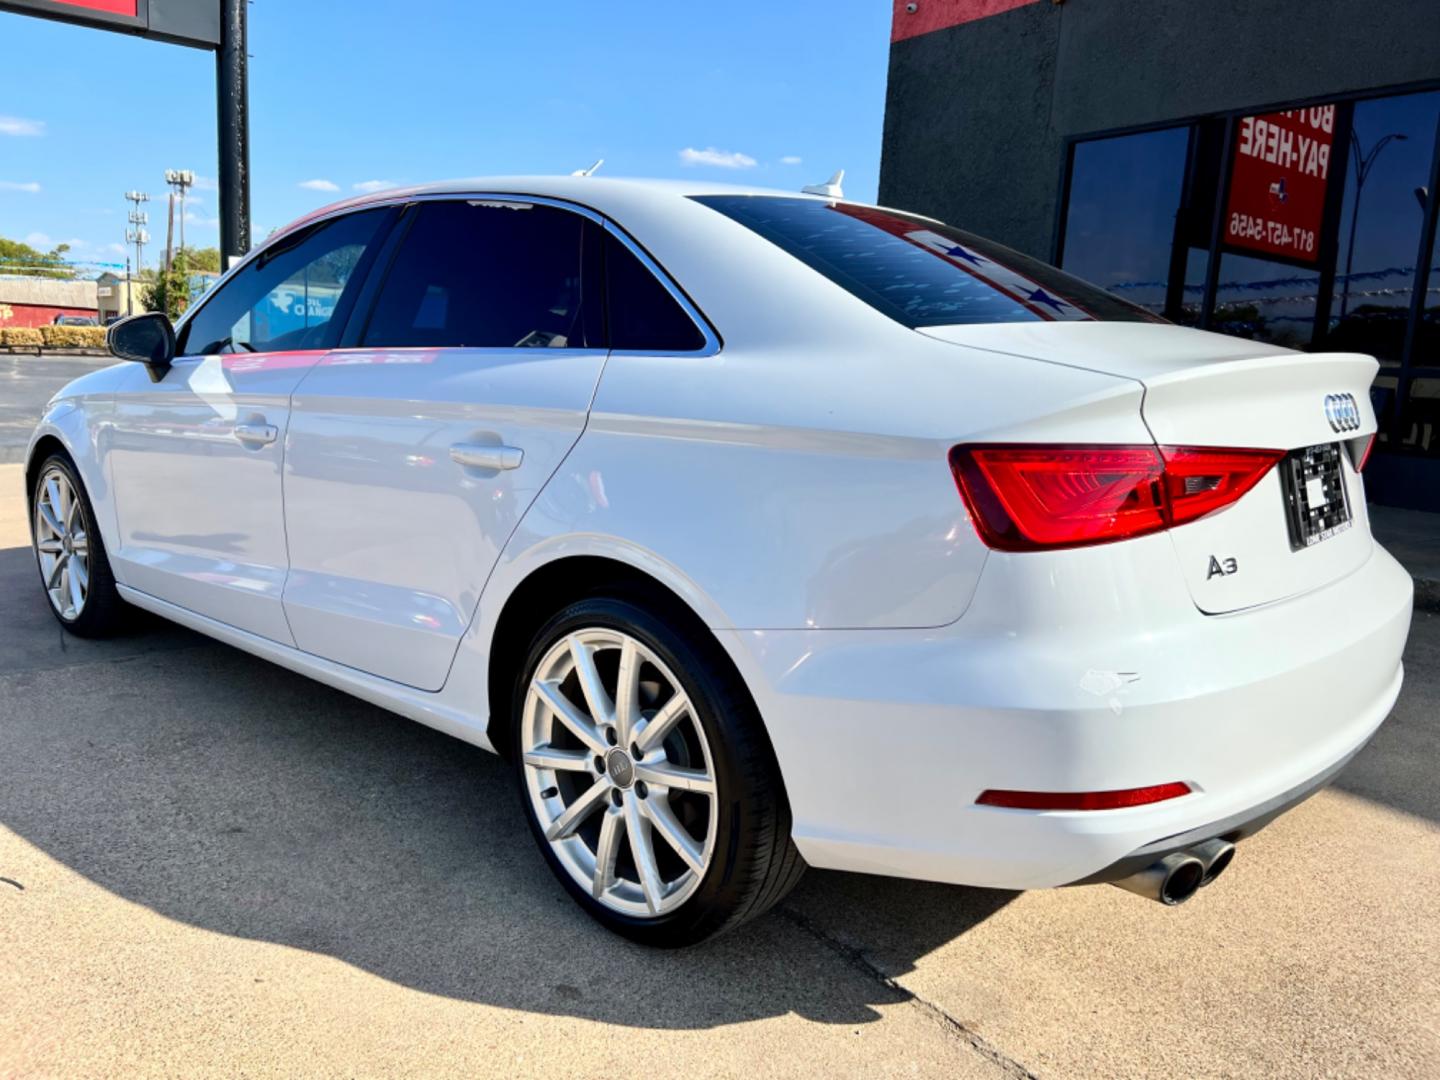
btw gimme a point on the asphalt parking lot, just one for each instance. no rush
(210, 866)
(26, 383)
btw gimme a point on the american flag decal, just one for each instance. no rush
(1014, 285)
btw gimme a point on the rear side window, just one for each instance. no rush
(484, 274)
(642, 313)
(288, 295)
(919, 272)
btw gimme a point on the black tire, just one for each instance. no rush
(754, 863)
(103, 614)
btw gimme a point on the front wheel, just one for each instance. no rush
(70, 553)
(647, 776)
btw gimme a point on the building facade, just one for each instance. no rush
(1270, 170)
(35, 301)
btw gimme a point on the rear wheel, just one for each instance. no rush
(646, 775)
(70, 553)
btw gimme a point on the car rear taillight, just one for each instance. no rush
(1199, 481)
(1083, 800)
(1029, 498)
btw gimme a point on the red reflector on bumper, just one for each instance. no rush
(1082, 800)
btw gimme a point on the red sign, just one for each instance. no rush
(181, 22)
(112, 7)
(1278, 180)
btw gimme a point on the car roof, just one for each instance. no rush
(608, 195)
(746, 286)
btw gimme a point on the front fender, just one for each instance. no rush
(81, 428)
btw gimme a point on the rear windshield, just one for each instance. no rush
(919, 272)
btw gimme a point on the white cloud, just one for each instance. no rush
(789, 159)
(15, 125)
(117, 249)
(38, 240)
(205, 183)
(192, 218)
(15, 185)
(373, 185)
(721, 159)
(319, 185)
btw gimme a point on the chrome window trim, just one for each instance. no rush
(712, 344)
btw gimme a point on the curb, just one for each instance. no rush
(59, 350)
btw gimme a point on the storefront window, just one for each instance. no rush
(1390, 152)
(1418, 429)
(1120, 222)
(1265, 300)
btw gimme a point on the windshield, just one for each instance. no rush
(919, 272)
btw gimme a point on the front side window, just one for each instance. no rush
(485, 273)
(920, 272)
(288, 295)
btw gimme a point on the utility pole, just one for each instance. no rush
(170, 233)
(137, 234)
(129, 290)
(180, 181)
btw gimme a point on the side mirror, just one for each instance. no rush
(148, 339)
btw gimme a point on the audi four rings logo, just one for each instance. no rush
(1342, 412)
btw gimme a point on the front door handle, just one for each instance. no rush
(483, 456)
(257, 434)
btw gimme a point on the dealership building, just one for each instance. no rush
(1264, 169)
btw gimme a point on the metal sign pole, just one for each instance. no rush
(233, 129)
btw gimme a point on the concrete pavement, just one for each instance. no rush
(211, 866)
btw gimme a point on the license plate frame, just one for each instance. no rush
(1304, 473)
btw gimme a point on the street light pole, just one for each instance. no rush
(1363, 165)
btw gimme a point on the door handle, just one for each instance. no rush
(256, 434)
(482, 456)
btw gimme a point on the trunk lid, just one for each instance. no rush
(1305, 524)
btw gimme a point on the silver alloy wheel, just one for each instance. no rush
(619, 772)
(61, 544)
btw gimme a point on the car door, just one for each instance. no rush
(415, 449)
(195, 458)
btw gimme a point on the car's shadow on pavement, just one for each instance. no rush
(231, 795)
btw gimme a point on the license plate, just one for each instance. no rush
(1317, 505)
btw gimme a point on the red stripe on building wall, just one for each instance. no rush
(36, 314)
(939, 14)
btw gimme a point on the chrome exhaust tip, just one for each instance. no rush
(1171, 880)
(1215, 856)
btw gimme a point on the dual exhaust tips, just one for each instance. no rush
(1175, 878)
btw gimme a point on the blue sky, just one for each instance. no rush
(765, 93)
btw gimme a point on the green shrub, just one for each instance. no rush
(21, 335)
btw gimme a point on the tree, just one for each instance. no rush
(201, 260)
(169, 290)
(17, 257)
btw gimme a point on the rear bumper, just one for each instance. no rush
(1068, 674)
(1234, 828)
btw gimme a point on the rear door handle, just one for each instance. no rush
(256, 434)
(482, 456)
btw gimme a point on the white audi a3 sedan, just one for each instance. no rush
(757, 530)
